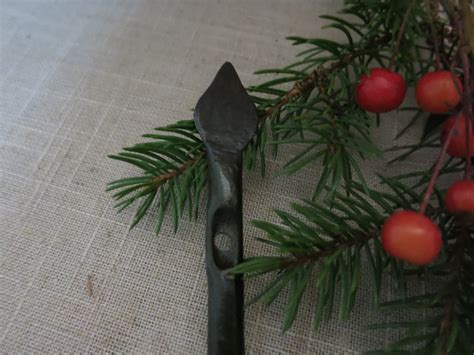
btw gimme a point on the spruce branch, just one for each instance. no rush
(331, 249)
(332, 238)
(344, 130)
(173, 173)
(319, 76)
(161, 179)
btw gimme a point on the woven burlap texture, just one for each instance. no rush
(82, 79)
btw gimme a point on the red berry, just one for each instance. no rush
(457, 146)
(436, 92)
(382, 91)
(460, 197)
(411, 236)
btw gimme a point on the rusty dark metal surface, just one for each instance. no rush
(226, 119)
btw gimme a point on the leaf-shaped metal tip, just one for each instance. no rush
(225, 116)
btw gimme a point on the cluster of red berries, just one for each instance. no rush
(410, 235)
(383, 90)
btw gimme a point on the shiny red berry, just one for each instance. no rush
(457, 146)
(460, 197)
(436, 92)
(382, 91)
(412, 237)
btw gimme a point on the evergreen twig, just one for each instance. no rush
(161, 179)
(319, 75)
(332, 248)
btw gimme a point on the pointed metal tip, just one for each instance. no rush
(225, 115)
(228, 73)
(227, 67)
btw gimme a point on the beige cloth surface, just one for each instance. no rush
(82, 79)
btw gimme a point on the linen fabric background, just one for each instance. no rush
(82, 79)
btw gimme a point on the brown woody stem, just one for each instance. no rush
(161, 179)
(393, 59)
(467, 109)
(462, 21)
(430, 10)
(436, 170)
(457, 250)
(334, 247)
(318, 75)
(467, 93)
